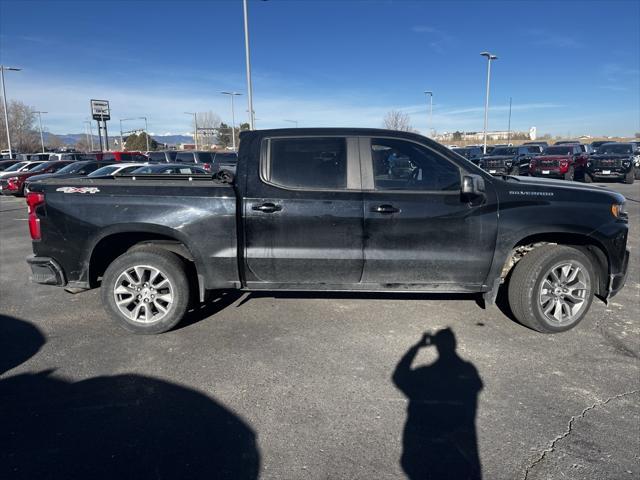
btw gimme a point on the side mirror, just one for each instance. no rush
(472, 185)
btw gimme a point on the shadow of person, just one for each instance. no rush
(439, 438)
(122, 426)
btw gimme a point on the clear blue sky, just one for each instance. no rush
(571, 67)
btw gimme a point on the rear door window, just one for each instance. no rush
(311, 162)
(184, 157)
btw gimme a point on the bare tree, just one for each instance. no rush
(54, 142)
(397, 120)
(82, 145)
(22, 126)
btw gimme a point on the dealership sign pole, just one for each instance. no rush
(101, 113)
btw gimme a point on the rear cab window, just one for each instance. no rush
(314, 163)
(184, 157)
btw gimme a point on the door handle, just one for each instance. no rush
(385, 209)
(267, 207)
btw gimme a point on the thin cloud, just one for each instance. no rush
(439, 41)
(545, 38)
(617, 77)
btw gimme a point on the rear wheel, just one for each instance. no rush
(630, 176)
(146, 291)
(551, 288)
(636, 173)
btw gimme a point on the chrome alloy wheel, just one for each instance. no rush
(564, 292)
(143, 294)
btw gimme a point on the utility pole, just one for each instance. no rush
(509, 127)
(4, 99)
(245, 9)
(195, 128)
(40, 123)
(121, 139)
(490, 57)
(233, 117)
(430, 112)
(88, 122)
(146, 131)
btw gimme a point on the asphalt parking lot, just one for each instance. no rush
(312, 386)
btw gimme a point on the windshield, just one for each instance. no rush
(108, 170)
(558, 151)
(72, 168)
(43, 166)
(16, 167)
(503, 151)
(615, 148)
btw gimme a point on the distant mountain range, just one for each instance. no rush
(73, 138)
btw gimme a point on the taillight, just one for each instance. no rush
(12, 183)
(34, 199)
(206, 166)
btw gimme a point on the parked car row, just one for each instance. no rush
(17, 174)
(567, 159)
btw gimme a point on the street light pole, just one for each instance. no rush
(40, 123)
(121, 139)
(490, 57)
(292, 121)
(4, 99)
(195, 127)
(233, 117)
(430, 112)
(245, 9)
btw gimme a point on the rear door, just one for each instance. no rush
(303, 214)
(421, 233)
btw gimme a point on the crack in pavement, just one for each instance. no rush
(552, 447)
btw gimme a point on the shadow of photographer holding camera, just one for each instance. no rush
(439, 438)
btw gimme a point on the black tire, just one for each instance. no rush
(630, 177)
(570, 175)
(525, 286)
(170, 267)
(515, 170)
(588, 178)
(636, 173)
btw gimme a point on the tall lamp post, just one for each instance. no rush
(146, 130)
(40, 123)
(490, 57)
(195, 127)
(430, 112)
(293, 121)
(252, 119)
(233, 117)
(4, 98)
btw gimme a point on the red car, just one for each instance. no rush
(560, 161)
(14, 184)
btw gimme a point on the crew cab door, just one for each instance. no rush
(420, 231)
(303, 219)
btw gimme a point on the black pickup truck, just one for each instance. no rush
(319, 209)
(510, 160)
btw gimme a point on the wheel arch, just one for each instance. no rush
(118, 239)
(588, 245)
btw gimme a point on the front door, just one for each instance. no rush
(420, 232)
(303, 214)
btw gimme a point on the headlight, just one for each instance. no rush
(588, 164)
(508, 163)
(626, 163)
(618, 210)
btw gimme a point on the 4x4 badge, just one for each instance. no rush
(78, 189)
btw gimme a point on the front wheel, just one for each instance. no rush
(570, 174)
(551, 288)
(636, 173)
(629, 177)
(146, 291)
